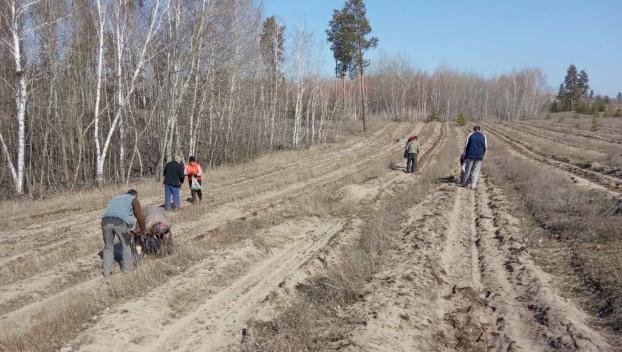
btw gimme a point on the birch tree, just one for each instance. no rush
(154, 23)
(15, 19)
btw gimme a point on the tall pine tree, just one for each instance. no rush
(571, 87)
(272, 43)
(573, 90)
(348, 33)
(272, 46)
(562, 98)
(339, 34)
(582, 84)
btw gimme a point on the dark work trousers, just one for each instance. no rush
(195, 193)
(111, 228)
(411, 164)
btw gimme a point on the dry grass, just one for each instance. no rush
(73, 314)
(30, 265)
(315, 320)
(149, 192)
(321, 203)
(608, 125)
(579, 154)
(576, 221)
(17, 211)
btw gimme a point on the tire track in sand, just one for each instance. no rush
(603, 181)
(462, 280)
(35, 238)
(563, 129)
(215, 324)
(227, 212)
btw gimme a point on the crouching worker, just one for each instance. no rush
(121, 215)
(158, 238)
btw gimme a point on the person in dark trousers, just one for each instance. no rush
(195, 174)
(474, 155)
(412, 149)
(120, 217)
(173, 179)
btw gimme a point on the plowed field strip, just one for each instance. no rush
(611, 183)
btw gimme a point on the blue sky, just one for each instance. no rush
(484, 36)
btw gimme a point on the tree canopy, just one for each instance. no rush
(348, 34)
(573, 90)
(272, 43)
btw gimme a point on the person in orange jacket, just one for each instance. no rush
(194, 173)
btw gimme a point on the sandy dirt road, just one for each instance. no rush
(612, 183)
(461, 281)
(214, 322)
(53, 277)
(459, 277)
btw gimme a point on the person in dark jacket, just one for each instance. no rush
(474, 154)
(173, 179)
(121, 215)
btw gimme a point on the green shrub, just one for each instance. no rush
(618, 113)
(462, 119)
(434, 116)
(608, 113)
(583, 108)
(596, 121)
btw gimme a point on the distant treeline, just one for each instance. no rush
(95, 91)
(575, 94)
(398, 90)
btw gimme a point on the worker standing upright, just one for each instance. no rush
(194, 173)
(474, 151)
(412, 149)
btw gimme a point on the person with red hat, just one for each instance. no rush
(412, 149)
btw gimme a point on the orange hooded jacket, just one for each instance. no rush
(193, 169)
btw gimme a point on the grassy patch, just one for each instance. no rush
(314, 319)
(579, 221)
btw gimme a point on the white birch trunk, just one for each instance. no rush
(99, 176)
(153, 25)
(18, 172)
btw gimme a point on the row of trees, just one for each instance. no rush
(96, 91)
(397, 90)
(107, 90)
(574, 94)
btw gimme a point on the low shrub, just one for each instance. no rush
(596, 121)
(434, 116)
(462, 119)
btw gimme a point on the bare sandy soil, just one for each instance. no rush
(458, 276)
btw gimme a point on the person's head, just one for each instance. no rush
(414, 138)
(476, 128)
(178, 158)
(133, 192)
(192, 159)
